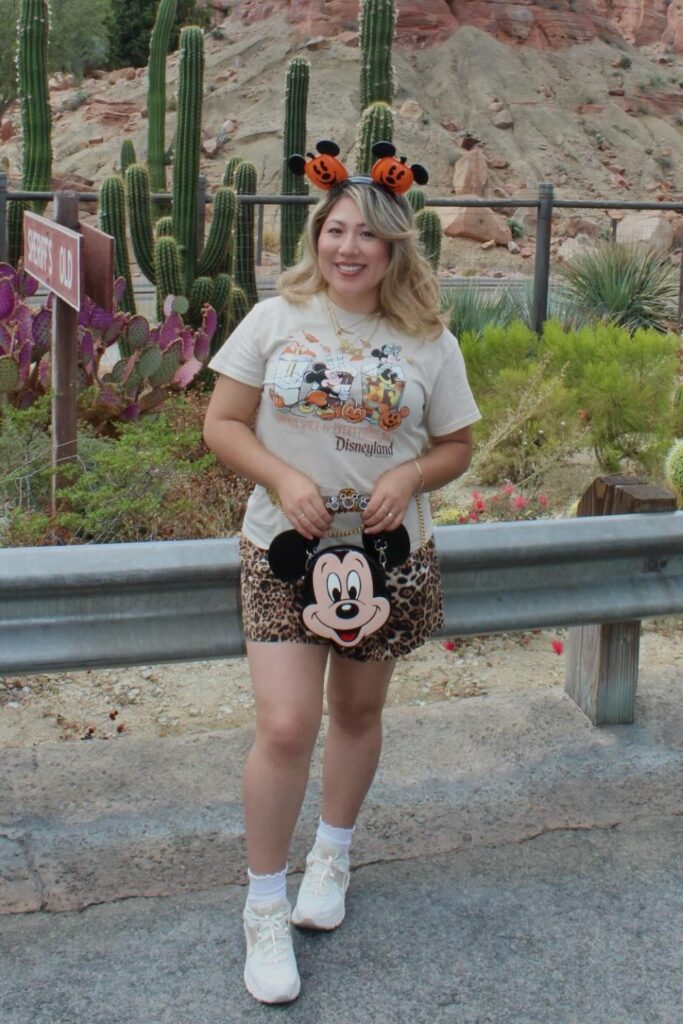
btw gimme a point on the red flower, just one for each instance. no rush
(557, 646)
(543, 500)
(449, 645)
(473, 516)
(480, 504)
(520, 501)
(508, 489)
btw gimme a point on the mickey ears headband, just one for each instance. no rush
(327, 172)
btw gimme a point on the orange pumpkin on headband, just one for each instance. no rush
(394, 173)
(322, 168)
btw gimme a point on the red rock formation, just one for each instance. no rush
(546, 24)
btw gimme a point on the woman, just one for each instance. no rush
(356, 389)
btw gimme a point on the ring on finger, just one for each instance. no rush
(302, 516)
(390, 515)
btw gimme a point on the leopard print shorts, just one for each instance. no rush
(271, 609)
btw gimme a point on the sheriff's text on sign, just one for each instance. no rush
(52, 255)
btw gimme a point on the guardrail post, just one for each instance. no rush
(3, 217)
(542, 264)
(601, 672)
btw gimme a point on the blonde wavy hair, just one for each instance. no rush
(409, 292)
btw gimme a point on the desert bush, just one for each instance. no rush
(507, 505)
(599, 387)
(155, 481)
(469, 310)
(625, 284)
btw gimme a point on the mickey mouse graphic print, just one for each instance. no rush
(350, 409)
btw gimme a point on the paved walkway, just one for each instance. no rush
(514, 866)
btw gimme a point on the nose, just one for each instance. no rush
(348, 244)
(347, 610)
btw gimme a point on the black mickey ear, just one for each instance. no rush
(328, 147)
(381, 149)
(296, 163)
(287, 555)
(420, 174)
(397, 546)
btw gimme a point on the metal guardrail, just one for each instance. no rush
(545, 203)
(127, 604)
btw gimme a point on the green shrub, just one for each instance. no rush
(626, 284)
(155, 481)
(470, 309)
(599, 387)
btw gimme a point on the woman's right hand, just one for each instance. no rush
(303, 505)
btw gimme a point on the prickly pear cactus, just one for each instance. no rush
(9, 374)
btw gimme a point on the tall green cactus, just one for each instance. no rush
(416, 198)
(32, 31)
(128, 156)
(112, 217)
(230, 167)
(293, 217)
(376, 125)
(216, 255)
(428, 224)
(377, 22)
(156, 93)
(188, 140)
(140, 219)
(245, 278)
(169, 269)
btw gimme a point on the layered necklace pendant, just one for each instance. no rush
(353, 333)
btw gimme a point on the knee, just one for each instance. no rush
(286, 737)
(355, 717)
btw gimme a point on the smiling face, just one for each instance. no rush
(351, 258)
(345, 607)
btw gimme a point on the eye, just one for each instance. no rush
(369, 234)
(334, 587)
(353, 585)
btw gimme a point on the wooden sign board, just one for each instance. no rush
(52, 254)
(98, 266)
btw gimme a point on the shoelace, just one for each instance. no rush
(272, 935)
(322, 871)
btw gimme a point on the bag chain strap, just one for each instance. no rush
(358, 505)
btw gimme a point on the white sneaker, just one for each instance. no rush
(321, 897)
(270, 972)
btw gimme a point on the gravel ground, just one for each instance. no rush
(179, 699)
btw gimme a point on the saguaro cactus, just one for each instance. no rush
(376, 125)
(428, 224)
(156, 93)
(188, 139)
(245, 184)
(293, 218)
(377, 22)
(32, 30)
(128, 156)
(112, 217)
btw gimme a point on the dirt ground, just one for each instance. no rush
(161, 700)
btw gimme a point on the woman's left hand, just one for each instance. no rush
(390, 498)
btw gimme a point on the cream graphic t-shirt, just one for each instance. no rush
(343, 411)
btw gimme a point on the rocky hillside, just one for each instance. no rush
(550, 25)
(580, 107)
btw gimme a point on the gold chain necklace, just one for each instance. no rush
(346, 333)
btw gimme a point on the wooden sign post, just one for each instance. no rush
(53, 256)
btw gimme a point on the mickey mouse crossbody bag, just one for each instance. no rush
(345, 588)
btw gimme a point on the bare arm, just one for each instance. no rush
(228, 433)
(447, 459)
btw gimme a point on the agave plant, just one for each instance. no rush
(126, 367)
(624, 284)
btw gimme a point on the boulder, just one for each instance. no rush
(479, 223)
(503, 119)
(572, 247)
(411, 110)
(648, 228)
(7, 131)
(470, 173)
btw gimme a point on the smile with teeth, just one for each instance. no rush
(350, 268)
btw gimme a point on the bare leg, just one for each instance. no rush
(356, 692)
(287, 679)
